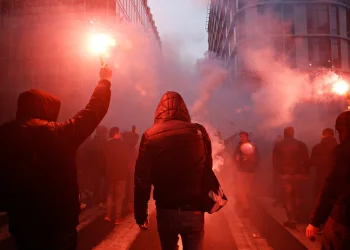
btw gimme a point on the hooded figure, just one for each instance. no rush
(171, 158)
(321, 157)
(38, 180)
(291, 163)
(333, 204)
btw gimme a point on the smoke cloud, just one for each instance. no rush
(142, 73)
(270, 94)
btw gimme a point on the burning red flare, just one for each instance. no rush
(340, 87)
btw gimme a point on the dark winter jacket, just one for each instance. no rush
(171, 158)
(38, 180)
(291, 157)
(334, 199)
(321, 156)
(96, 149)
(131, 139)
(251, 162)
(117, 160)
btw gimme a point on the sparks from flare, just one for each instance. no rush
(99, 43)
(340, 87)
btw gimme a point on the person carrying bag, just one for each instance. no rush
(213, 197)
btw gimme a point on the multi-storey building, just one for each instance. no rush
(309, 35)
(41, 43)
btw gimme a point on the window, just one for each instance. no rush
(334, 20)
(288, 19)
(336, 53)
(241, 26)
(319, 52)
(278, 48)
(241, 3)
(348, 22)
(317, 19)
(270, 17)
(290, 51)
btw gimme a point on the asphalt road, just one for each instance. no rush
(217, 235)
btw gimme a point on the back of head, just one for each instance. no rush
(328, 132)
(37, 104)
(342, 124)
(113, 131)
(289, 132)
(171, 107)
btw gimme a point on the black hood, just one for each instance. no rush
(171, 107)
(37, 104)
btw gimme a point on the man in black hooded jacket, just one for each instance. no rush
(321, 158)
(171, 158)
(290, 162)
(38, 181)
(333, 204)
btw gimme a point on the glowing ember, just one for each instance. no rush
(99, 43)
(247, 148)
(340, 87)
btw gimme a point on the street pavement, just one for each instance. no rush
(217, 235)
(223, 230)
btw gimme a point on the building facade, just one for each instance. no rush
(40, 43)
(309, 34)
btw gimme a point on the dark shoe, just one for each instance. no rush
(290, 224)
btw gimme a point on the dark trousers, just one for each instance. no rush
(277, 189)
(188, 224)
(335, 236)
(44, 240)
(292, 195)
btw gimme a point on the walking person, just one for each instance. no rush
(291, 162)
(38, 181)
(171, 157)
(246, 158)
(333, 204)
(116, 160)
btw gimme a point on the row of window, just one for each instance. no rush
(137, 11)
(320, 19)
(323, 52)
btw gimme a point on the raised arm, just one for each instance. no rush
(78, 128)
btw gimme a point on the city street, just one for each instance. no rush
(223, 230)
(218, 235)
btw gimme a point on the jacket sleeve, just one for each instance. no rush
(83, 124)
(332, 186)
(142, 189)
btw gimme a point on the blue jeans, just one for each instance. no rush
(188, 224)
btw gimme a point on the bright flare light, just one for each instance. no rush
(247, 148)
(99, 43)
(340, 87)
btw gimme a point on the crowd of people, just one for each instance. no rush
(106, 164)
(42, 161)
(292, 165)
